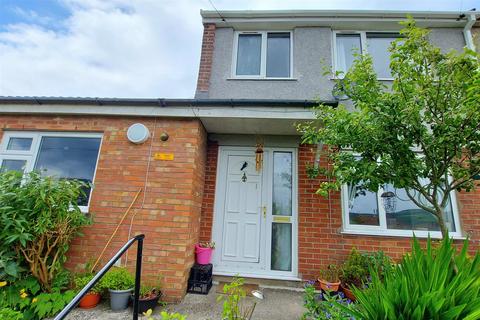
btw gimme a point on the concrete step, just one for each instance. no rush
(265, 283)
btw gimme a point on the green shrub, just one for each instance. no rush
(431, 283)
(117, 278)
(355, 271)
(81, 280)
(39, 216)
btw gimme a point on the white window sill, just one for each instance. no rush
(263, 79)
(401, 233)
(379, 79)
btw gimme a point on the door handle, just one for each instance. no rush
(264, 210)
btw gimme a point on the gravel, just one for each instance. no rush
(277, 304)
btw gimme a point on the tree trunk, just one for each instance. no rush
(439, 213)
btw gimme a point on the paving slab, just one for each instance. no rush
(277, 305)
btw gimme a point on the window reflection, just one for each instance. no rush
(363, 206)
(69, 157)
(282, 183)
(406, 215)
(13, 165)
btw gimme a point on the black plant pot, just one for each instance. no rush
(150, 303)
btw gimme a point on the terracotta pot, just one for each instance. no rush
(348, 293)
(327, 285)
(90, 300)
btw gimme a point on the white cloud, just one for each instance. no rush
(116, 49)
(123, 48)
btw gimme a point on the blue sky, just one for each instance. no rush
(129, 48)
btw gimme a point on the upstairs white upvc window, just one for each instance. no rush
(61, 154)
(346, 44)
(262, 55)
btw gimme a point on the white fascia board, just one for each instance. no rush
(329, 18)
(252, 14)
(295, 113)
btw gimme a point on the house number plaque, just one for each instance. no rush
(163, 156)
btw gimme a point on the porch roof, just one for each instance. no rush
(224, 116)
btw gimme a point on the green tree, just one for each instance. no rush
(39, 217)
(425, 126)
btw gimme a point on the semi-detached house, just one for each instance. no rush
(228, 165)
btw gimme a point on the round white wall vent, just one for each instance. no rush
(138, 133)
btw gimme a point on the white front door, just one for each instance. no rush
(255, 225)
(242, 216)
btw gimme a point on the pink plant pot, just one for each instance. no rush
(203, 255)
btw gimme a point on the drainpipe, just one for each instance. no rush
(467, 31)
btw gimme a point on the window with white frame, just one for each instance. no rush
(374, 43)
(262, 55)
(390, 211)
(63, 155)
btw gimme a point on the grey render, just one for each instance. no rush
(312, 51)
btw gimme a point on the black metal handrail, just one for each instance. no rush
(101, 273)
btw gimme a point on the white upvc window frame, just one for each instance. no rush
(263, 56)
(363, 47)
(382, 230)
(31, 155)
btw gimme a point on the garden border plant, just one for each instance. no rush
(39, 217)
(425, 285)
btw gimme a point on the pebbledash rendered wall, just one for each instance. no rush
(320, 241)
(168, 213)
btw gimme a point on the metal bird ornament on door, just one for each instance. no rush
(244, 176)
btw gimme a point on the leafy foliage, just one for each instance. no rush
(234, 301)
(39, 217)
(431, 109)
(117, 278)
(331, 274)
(50, 303)
(321, 306)
(425, 286)
(165, 315)
(356, 270)
(25, 297)
(8, 313)
(81, 280)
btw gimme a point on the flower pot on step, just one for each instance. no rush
(119, 299)
(90, 300)
(148, 303)
(329, 286)
(203, 255)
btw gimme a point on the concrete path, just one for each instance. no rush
(277, 305)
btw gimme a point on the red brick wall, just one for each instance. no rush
(206, 58)
(209, 192)
(168, 213)
(320, 220)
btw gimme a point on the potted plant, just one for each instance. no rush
(329, 278)
(204, 252)
(119, 283)
(92, 298)
(148, 299)
(354, 272)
